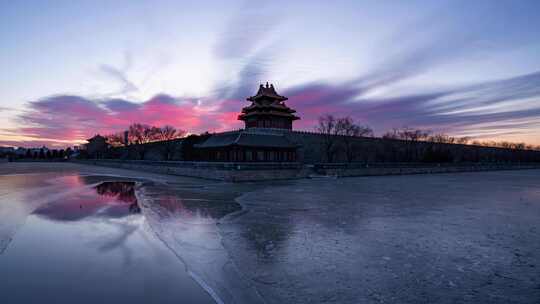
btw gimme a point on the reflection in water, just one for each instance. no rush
(87, 242)
(188, 204)
(101, 229)
(103, 220)
(122, 191)
(185, 220)
(176, 206)
(108, 199)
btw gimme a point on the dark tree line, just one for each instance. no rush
(340, 136)
(410, 134)
(41, 153)
(340, 132)
(139, 135)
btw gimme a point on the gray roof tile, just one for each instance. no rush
(246, 139)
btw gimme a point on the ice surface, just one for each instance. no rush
(449, 238)
(192, 234)
(446, 238)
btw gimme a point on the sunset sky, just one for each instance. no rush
(71, 69)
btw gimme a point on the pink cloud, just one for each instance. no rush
(64, 119)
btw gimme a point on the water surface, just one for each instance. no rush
(85, 239)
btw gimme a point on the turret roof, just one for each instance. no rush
(247, 138)
(267, 91)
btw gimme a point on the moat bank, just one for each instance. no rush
(243, 172)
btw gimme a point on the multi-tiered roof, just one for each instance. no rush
(268, 110)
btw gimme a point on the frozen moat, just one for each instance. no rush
(79, 234)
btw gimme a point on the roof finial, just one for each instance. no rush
(267, 84)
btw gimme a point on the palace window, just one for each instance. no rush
(272, 156)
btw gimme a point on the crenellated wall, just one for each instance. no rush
(365, 150)
(372, 149)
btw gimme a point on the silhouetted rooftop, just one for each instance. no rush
(96, 137)
(245, 138)
(267, 91)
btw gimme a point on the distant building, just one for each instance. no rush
(20, 151)
(7, 150)
(33, 152)
(96, 146)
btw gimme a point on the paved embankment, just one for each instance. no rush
(240, 172)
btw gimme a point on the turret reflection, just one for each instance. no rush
(113, 199)
(122, 191)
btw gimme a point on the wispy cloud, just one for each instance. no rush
(248, 46)
(120, 76)
(65, 119)
(8, 109)
(451, 110)
(246, 31)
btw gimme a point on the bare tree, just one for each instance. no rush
(167, 134)
(463, 140)
(327, 126)
(442, 139)
(393, 134)
(115, 139)
(520, 146)
(348, 130)
(412, 137)
(505, 145)
(140, 135)
(447, 139)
